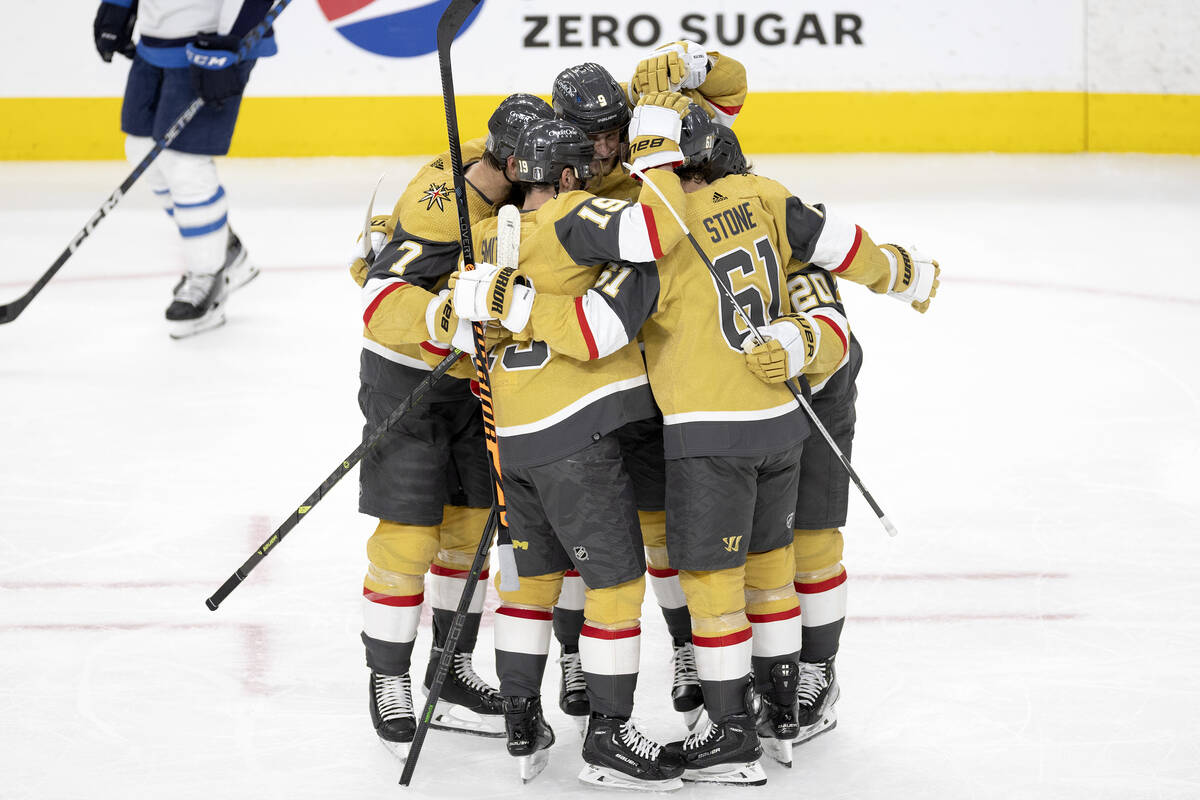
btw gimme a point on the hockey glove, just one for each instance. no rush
(671, 67)
(445, 326)
(655, 128)
(113, 30)
(364, 256)
(916, 277)
(214, 60)
(791, 343)
(492, 292)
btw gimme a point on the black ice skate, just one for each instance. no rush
(778, 715)
(818, 692)
(724, 752)
(618, 756)
(466, 703)
(392, 712)
(529, 737)
(572, 692)
(199, 298)
(686, 694)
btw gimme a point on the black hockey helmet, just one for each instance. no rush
(547, 147)
(511, 117)
(589, 97)
(727, 157)
(696, 136)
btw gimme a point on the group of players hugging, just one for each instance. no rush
(642, 428)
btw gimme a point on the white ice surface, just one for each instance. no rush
(1034, 632)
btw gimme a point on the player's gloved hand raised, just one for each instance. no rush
(671, 67)
(492, 292)
(113, 29)
(364, 256)
(213, 60)
(791, 344)
(917, 277)
(654, 130)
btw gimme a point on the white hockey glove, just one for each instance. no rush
(655, 128)
(445, 326)
(791, 343)
(492, 292)
(915, 278)
(673, 66)
(364, 255)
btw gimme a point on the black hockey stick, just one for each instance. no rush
(347, 464)
(452, 21)
(791, 384)
(11, 311)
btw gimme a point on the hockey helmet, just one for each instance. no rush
(547, 147)
(696, 136)
(511, 117)
(727, 157)
(588, 96)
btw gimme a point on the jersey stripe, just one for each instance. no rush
(583, 402)
(835, 321)
(837, 243)
(373, 293)
(396, 358)
(652, 232)
(730, 416)
(586, 329)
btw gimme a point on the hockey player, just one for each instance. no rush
(584, 95)
(188, 49)
(570, 500)
(427, 479)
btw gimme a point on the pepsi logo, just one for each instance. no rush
(392, 28)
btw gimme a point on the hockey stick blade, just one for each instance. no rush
(366, 237)
(11, 311)
(758, 337)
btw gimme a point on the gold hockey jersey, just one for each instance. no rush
(415, 263)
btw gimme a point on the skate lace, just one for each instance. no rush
(636, 741)
(465, 671)
(393, 696)
(811, 682)
(572, 670)
(701, 737)
(685, 666)
(194, 288)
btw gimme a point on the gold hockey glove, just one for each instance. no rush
(671, 67)
(791, 343)
(360, 263)
(655, 128)
(916, 277)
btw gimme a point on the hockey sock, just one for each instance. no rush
(669, 594)
(445, 588)
(823, 613)
(723, 664)
(522, 646)
(201, 209)
(609, 658)
(390, 626)
(136, 148)
(568, 612)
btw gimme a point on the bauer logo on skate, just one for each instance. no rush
(392, 28)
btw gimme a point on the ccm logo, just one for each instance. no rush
(210, 62)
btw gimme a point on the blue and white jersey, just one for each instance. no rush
(166, 26)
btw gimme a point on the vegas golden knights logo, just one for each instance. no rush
(732, 543)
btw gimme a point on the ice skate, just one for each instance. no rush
(572, 692)
(686, 694)
(466, 703)
(529, 737)
(196, 305)
(818, 691)
(392, 712)
(778, 714)
(724, 752)
(237, 270)
(618, 756)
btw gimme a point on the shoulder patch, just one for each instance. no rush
(436, 193)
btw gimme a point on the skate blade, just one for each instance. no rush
(398, 749)
(826, 724)
(580, 723)
(459, 719)
(237, 278)
(692, 718)
(532, 766)
(182, 329)
(778, 750)
(611, 779)
(730, 774)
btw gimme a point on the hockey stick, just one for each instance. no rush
(11, 311)
(812, 415)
